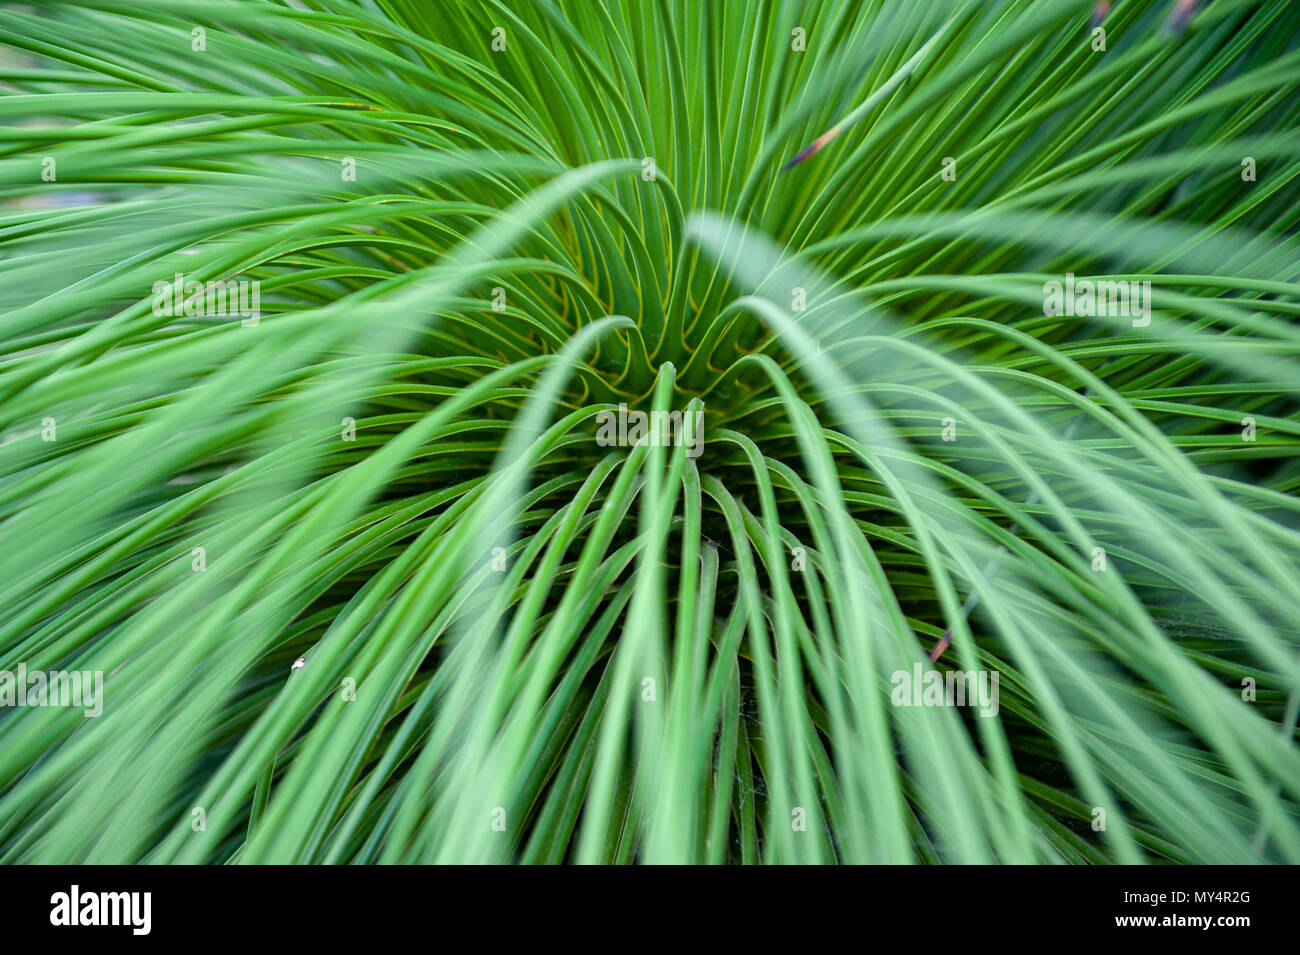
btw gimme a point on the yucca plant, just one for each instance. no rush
(486, 431)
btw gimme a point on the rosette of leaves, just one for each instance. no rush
(474, 227)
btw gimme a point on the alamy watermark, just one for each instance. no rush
(973, 688)
(241, 299)
(76, 907)
(1088, 298)
(666, 429)
(78, 688)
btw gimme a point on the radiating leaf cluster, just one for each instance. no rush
(477, 226)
